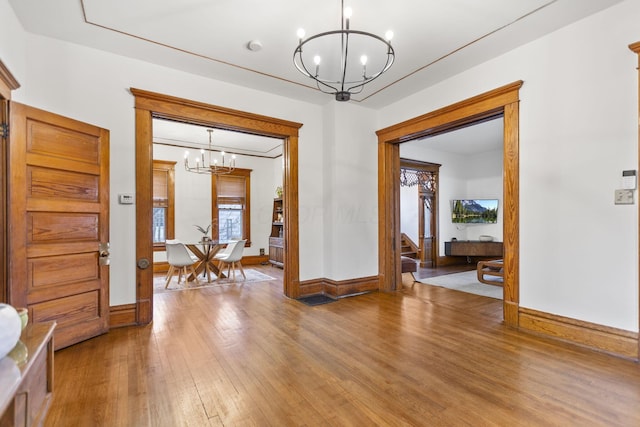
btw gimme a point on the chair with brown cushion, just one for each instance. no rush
(409, 265)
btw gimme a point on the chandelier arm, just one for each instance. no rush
(388, 64)
(303, 69)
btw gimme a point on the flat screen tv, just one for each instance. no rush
(474, 211)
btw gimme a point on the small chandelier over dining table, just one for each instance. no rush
(211, 167)
(338, 51)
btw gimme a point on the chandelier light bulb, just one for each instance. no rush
(388, 35)
(301, 33)
(363, 59)
(186, 154)
(317, 59)
(348, 12)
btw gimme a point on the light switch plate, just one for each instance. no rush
(624, 197)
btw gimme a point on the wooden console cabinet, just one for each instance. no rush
(25, 398)
(471, 248)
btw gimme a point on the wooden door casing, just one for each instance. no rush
(58, 216)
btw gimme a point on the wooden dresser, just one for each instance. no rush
(26, 386)
(471, 248)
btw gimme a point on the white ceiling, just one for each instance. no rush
(195, 137)
(478, 138)
(434, 39)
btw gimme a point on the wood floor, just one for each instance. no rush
(424, 356)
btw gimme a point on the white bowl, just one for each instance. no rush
(485, 238)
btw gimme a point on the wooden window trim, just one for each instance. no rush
(169, 167)
(246, 218)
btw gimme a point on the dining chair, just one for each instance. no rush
(223, 253)
(232, 259)
(179, 259)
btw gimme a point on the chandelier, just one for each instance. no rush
(210, 167)
(340, 74)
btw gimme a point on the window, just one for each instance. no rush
(163, 202)
(230, 206)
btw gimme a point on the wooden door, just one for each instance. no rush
(58, 218)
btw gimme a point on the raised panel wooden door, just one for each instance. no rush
(58, 217)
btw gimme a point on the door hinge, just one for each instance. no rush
(4, 130)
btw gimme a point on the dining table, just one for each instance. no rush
(205, 251)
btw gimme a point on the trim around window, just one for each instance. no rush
(164, 197)
(245, 176)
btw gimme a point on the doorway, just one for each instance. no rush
(501, 101)
(151, 105)
(419, 197)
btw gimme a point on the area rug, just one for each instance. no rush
(466, 281)
(253, 276)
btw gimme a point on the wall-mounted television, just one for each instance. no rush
(474, 211)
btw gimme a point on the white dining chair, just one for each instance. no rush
(180, 261)
(224, 252)
(233, 259)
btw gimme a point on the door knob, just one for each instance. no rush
(143, 263)
(104, 256)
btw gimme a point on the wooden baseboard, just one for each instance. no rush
(255, 259)
(122, 315)
(160, 267)
(339, 288)
(311, 287)
(598, 337)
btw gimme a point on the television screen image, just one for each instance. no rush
(474, 211)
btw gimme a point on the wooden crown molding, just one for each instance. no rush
(7, 81)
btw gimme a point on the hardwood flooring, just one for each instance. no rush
(423, 356)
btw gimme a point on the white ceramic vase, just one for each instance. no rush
(10, 329)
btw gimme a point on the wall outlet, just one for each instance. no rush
(624, 197)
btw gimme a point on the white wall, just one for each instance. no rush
(578, 131)
(350, 192)
(409, 220)
(92, 86)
